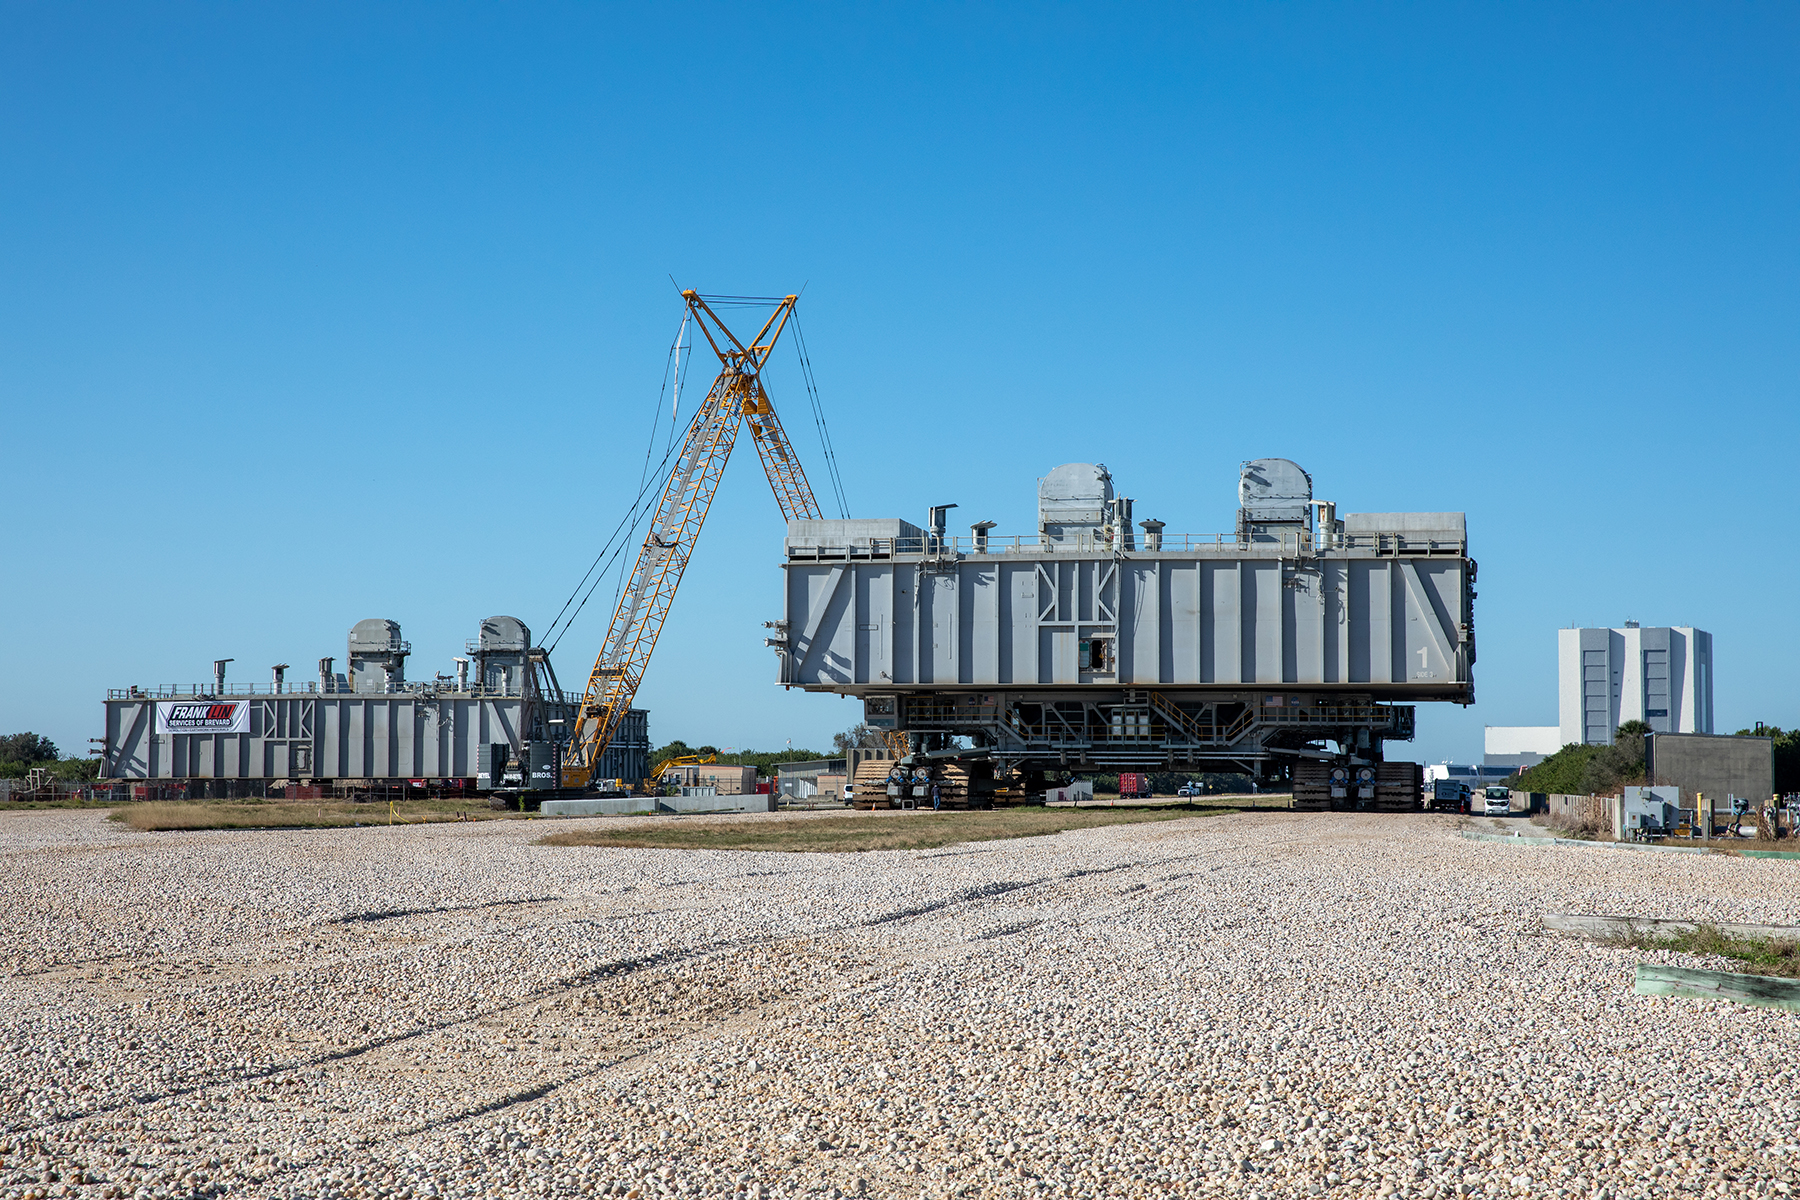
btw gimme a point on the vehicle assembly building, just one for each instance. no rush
(1661, 676)
(1098, 644)
(494, 722)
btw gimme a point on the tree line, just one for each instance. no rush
(765, 761)
(20, 752)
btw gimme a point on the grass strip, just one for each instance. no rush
(293, 814)
(870, 830)
(1751, 955)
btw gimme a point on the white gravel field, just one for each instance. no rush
(1247, 1005)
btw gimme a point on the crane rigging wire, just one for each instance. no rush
(818, 408)
(652, 481)
(646, 483)
(668, 450)
(735, 401)
(614, 549)
(609, 552)
(662, 476)
(626, 524)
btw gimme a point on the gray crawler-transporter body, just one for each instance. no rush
(1290, 649)
(495, 722)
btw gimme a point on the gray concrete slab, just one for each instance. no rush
(645, 805)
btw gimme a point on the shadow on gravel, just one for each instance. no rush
(389, 914)
(875, 830)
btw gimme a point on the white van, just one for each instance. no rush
(1497, 801)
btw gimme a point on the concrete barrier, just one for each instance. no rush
(1594, 926)
(1761, 991)
(1514, 840)
(620, 806)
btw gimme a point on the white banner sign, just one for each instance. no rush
(203, 716)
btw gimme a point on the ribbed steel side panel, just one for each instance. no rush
(628, 757)
(342, 736)
(397, 736)
(333, 736)
(1394, 625)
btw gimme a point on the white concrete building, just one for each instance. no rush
(1606, 677)
(1520, 746)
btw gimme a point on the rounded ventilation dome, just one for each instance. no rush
(1274, 489)
(1087, 485)
(1273, 479)
(505, 633)
(376, 633)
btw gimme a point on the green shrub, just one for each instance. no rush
(1578, 770)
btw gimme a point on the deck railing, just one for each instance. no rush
(423, 688)
(1409, 543)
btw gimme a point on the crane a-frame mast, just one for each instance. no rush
(737, 396)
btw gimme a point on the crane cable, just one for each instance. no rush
(628, 522)
(818, 408)
(615, 546)
(649, 482)
(652, 481)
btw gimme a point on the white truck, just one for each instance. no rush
(1496, 800)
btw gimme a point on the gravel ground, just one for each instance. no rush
(1258, 1004)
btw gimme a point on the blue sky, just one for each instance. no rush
(317, 313)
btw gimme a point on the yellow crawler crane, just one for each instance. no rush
(737, 397)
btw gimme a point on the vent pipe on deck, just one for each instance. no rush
(939, 516)
(280, 671)
(325, 674)
(1326, 527)
(1152, 533)
(1121, 519)
(219, 675)
(462, 674)
(979, 535)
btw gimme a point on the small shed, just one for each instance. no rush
(821, 777)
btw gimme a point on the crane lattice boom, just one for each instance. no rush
(737, 397)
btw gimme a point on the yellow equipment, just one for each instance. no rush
(737, 397)
(672, 764)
